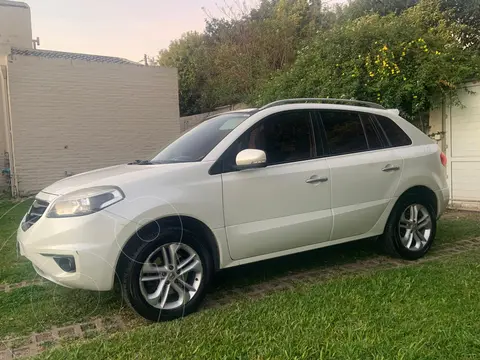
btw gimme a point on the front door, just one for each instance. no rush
(285, 205)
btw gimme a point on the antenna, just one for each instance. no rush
(36, 42)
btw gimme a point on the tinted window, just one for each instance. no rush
(344, 132)
(373, 137)
(196, 143)
(395, 135)
(285, 137)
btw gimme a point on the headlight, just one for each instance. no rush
(85, 201)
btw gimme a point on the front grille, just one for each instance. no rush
(36, 212)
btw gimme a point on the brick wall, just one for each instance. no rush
(74, 116)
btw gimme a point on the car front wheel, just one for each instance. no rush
(167, 277)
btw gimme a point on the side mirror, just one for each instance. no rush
(251, 159)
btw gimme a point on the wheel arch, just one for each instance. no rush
(422, 191)
(180, 221)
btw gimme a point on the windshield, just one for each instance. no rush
(195, 144)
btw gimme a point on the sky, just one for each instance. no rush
(122, 28)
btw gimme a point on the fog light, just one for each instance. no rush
(66, 263)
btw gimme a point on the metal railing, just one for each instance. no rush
(323, 100)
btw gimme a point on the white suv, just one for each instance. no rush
(241, 187)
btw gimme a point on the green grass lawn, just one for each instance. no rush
(38, 308)
(456, 226)
(427, 311)
(12, 268)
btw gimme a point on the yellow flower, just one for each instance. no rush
(371, 74)
(414, 96)
(403, 53)
(385, 48)
(404, 78)
(437, 52)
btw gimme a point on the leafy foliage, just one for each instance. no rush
(228, 61)
(400, 53)
(399, 61)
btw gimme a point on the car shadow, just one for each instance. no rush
(263, 271)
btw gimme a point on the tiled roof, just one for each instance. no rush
(49, 54)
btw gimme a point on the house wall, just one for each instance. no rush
(15, 24)
(73, 116)
(461, 125)
(437, 123)
(187, 122)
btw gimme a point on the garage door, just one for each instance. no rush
(464, 147)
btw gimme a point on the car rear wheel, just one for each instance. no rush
(411, 228)
(167, 277)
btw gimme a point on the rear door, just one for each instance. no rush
(364, 169)
(285, 205)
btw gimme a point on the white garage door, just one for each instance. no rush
(463, 151)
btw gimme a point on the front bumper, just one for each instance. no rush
(95, 242)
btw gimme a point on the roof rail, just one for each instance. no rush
(324, 100)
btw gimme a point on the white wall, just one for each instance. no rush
(461, 144)
(73, 116)
(15, 24)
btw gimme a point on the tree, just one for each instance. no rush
(225, 64)
(191, 58)
(400, 61)
(467, 13)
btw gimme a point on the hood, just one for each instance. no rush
(115, 175)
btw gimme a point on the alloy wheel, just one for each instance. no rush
(415, 227)
(171, 276)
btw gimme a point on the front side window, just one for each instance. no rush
(285, 137)
(393, 132)
(344, 132)
(196, 143)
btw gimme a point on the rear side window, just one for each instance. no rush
(344, 132)
(372, 133)
(393, 132)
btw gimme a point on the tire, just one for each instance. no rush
(395, 239)
(135, 292)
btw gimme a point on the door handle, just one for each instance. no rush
(390, 168)
(315, 179)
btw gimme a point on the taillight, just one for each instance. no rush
(443, 159)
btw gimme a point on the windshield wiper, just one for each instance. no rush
(141, 162)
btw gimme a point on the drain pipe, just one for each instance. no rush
(9, 131)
